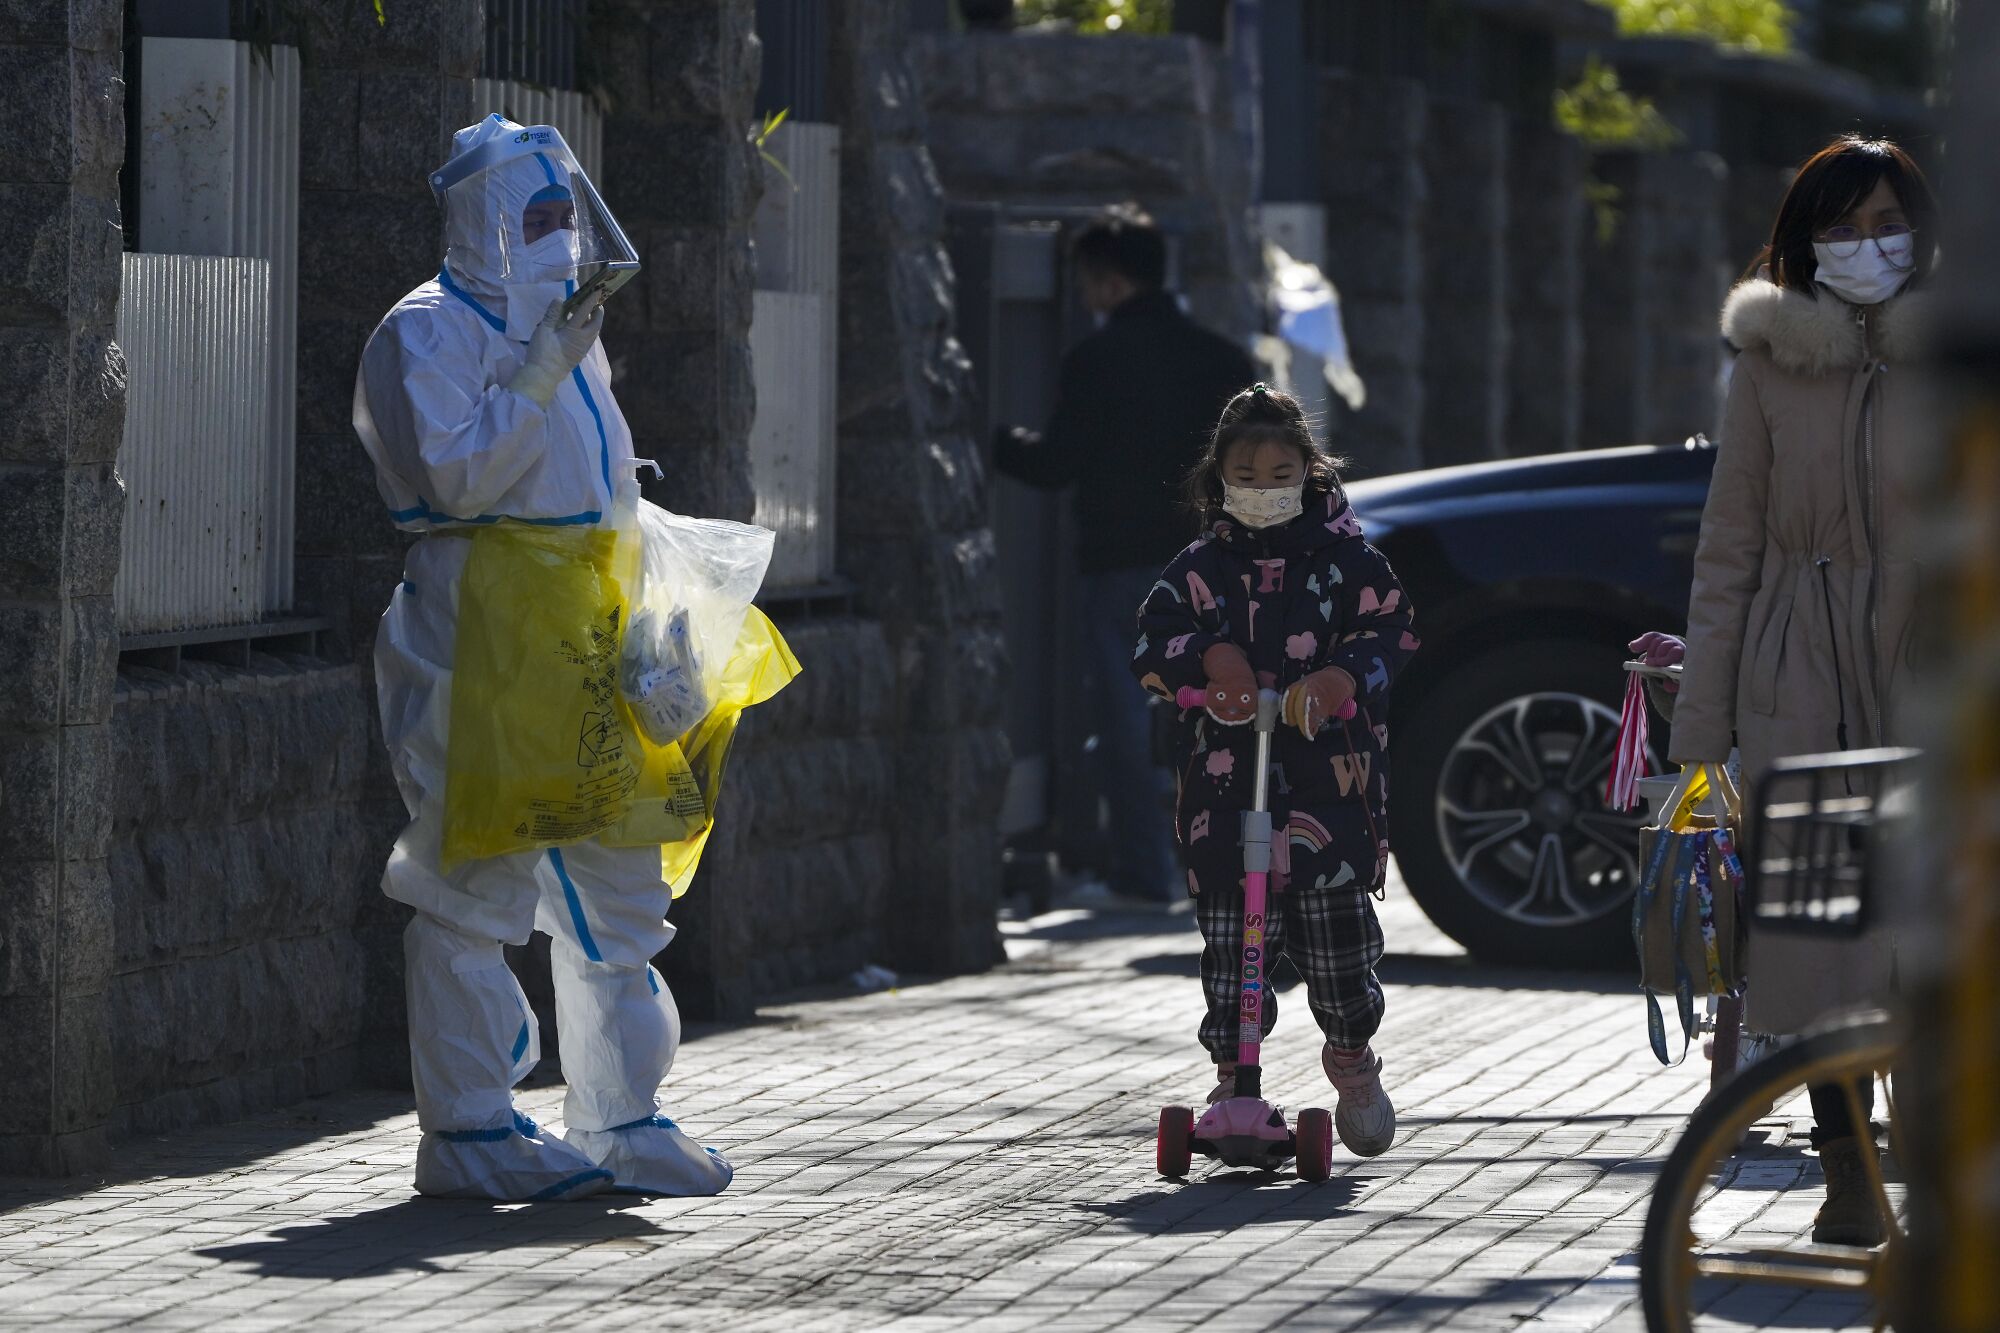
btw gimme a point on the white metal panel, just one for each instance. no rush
(197, 336)
(575, 115)
(797, 231)
(219, 175)
(797, 228)
(787, 454)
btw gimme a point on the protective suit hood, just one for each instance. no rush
(496, 171)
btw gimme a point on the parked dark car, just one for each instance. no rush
(1529, 578)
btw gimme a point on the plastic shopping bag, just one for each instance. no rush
(1688, 923)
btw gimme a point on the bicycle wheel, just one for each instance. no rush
(1850, 1053)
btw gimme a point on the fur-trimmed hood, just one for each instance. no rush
(1818, 337)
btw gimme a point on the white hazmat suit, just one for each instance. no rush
(454, 447)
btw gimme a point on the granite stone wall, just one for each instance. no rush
(1548, 226)
(64, 382)
(1468, 324)
(913, 516)
(1377, 197)
(1054, 120)
(1655, 285)
(245, 855)
(254, 958)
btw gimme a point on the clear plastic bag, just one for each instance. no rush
(696, 579)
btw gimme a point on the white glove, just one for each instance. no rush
(557, 348)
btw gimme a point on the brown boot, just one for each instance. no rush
(1850, 1215)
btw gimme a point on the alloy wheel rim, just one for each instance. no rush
(1521, 815)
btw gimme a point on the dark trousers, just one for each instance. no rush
(1331, 936)
(1831, 1118)
(1140, 859)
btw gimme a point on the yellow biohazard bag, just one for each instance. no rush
(544, 749)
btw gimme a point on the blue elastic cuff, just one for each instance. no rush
(563, 1187)
(655, 1119)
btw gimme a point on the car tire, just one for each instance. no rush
(1510, 903)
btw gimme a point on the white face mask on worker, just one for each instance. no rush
(1255, 508)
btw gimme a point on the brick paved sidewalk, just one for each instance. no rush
(974, 1153)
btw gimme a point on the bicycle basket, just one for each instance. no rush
(1822, 825)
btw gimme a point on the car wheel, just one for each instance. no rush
(1497, 808)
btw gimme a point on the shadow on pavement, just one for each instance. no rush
(1228, 1200)
(1421, 970)
(1077, 924)
(414, 1235)
(1399, 969)
(208, 1149)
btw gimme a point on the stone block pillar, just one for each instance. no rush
(62, 503)
(1466, 333)
(1548, 224)
(1373, 170)
(377, 114)
(683, 179)
(1652, 293)
(913, 525)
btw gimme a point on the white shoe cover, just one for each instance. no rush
(515, 1164)
(654, 1157)
(1364, 1116)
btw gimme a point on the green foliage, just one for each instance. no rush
(1154, 17)
(762, 137)
(1755, 25)
(1598, 110)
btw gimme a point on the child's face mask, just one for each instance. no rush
(1256, 507)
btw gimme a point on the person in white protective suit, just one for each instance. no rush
(479, 402)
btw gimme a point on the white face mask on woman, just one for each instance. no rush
(1874, 272)
(1256, 507)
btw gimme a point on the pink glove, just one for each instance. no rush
(1232, 686)
(1658, 650)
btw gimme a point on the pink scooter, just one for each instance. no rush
(1246, 1130)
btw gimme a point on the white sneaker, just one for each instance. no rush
(1225, 1084)
(513, 1163)
(653, 1157)
(1364, 1115)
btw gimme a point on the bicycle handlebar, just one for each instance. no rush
(1193, 696)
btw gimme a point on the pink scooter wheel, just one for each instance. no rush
(1315, 1136)
(1174, 1151)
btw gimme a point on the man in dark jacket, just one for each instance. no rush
(1136, 402)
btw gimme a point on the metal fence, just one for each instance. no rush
(200, 532)
(219, 176)
(573, 114)
(794, 349)
(534, 41)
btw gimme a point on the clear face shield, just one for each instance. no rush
(522, 217)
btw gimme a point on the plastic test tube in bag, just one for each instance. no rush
(660, 675)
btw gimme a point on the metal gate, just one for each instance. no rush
(1016, 316)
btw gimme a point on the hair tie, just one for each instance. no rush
(1261, 389)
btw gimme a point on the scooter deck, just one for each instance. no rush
(1245, 1131)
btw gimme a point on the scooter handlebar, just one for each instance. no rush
(1193, 696)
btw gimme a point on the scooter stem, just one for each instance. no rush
(1256, 883)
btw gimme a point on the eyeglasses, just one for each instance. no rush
(1845, 242)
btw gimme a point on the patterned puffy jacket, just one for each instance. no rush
(1308, 594)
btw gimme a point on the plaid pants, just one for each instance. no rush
(1331, 936)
